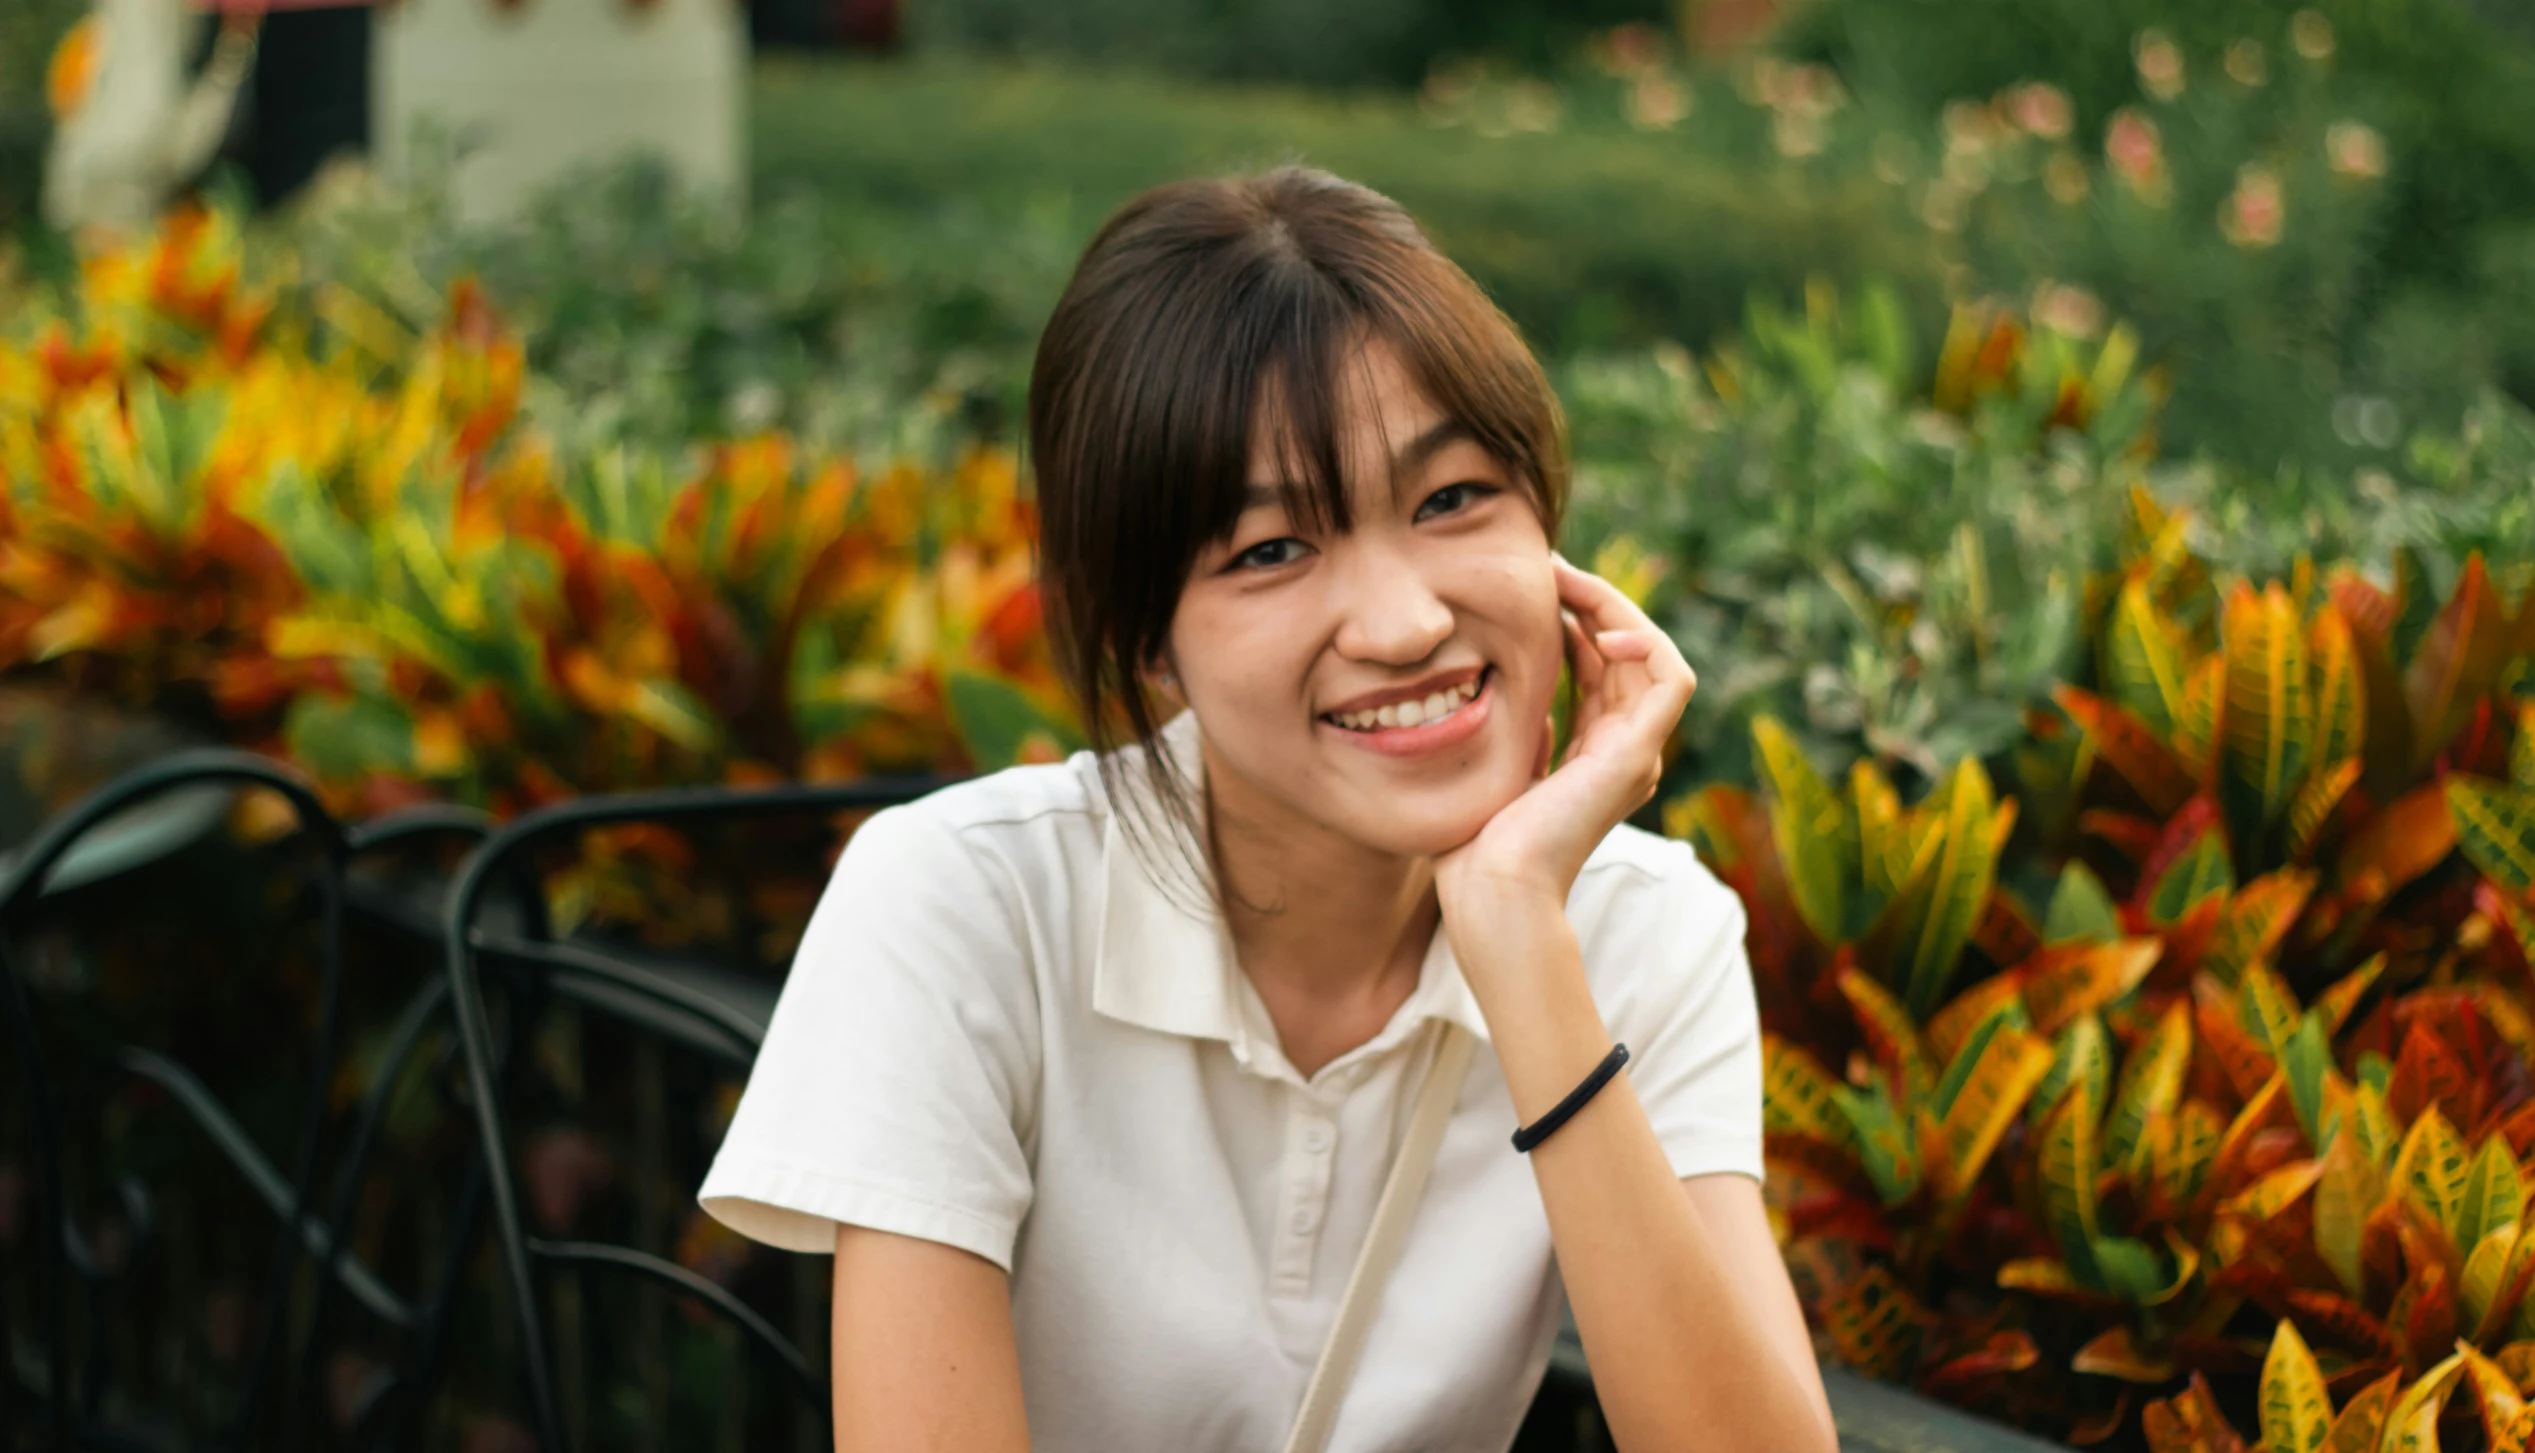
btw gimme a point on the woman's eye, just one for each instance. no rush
(1452, 498)
(1268, 554)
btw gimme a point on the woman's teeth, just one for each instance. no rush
(1411, 713)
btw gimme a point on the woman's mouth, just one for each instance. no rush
(1442, 718)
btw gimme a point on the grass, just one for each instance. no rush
(1587, 237)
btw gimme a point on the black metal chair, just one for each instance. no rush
(68, 1073)
(706, 1011)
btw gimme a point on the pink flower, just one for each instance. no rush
(2253, 213)
(2068, 309)
(2355, 150)
(1969, 126)
(1657, 103)
(2041, 108)
(2135, 150)
(2160, 64)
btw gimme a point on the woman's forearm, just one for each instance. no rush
(1690, 1349)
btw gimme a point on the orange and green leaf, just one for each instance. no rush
(2004, 1067)
(2254, 921)
(2142, 758)
(2458, 661)
(2066, 981)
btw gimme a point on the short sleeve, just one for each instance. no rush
(902, 1063)
(1692, 1022)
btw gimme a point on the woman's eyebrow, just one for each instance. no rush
(1414, 454)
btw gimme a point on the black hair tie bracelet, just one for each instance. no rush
(1541, 1129)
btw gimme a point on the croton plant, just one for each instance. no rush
(326, 528)
(2220, 1039)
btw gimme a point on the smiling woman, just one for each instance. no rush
(1159, 1099)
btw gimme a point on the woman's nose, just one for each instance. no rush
(1388, 612)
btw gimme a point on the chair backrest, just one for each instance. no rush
(709, 1017)
(109, 1105)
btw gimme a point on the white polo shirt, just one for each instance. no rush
(1003, 1032)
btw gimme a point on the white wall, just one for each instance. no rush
(552, 85)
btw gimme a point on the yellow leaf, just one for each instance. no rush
(2151, 1083)
(2296, 1412)
(2350, 1188)
(2269, 715)
(2508, 1290)
(1812, 831)
(2411, 1426)
(2432, 1168)
(2496, 1397)
(2144, 659)
(2341, 691)
(2494, 1194)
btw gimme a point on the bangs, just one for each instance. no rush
(1285, 383)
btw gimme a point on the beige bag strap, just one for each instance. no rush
(1382, 1244)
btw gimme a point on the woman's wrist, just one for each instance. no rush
(1522, 963)
(1503, 918)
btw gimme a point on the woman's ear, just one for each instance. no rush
(1162, 680)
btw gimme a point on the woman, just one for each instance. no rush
(1094, 1076)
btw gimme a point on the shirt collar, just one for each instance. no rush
(1166, 960)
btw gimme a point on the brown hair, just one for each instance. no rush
(1195, 303)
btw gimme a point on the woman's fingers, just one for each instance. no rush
(1598, 603)
(1645, 684)
(1632, 682)
(1585, 661)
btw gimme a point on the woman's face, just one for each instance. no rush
(1390, 684)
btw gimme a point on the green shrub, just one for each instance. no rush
(1897, 569)
(1314, 42)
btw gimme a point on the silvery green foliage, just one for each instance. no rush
(1890, 579)
(1902, 581)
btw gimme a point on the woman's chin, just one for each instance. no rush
(1441, 821)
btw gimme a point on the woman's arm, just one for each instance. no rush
(1687, 1315)
(1688, 1319)
(925, 1360)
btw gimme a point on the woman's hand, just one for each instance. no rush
(1631, 688)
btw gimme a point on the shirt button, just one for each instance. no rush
(1316, 1137)
(1304, 1220)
